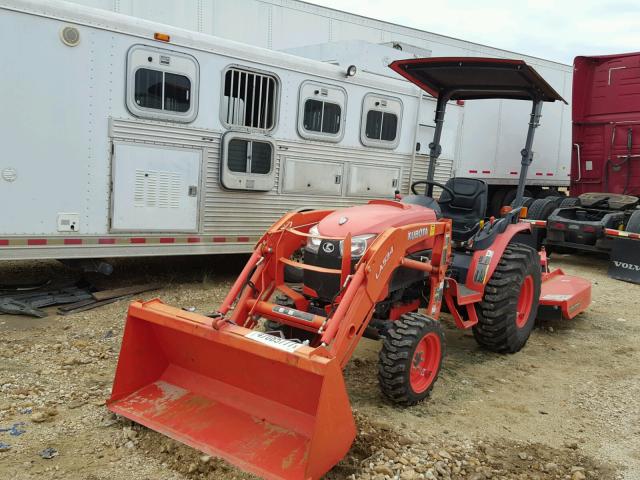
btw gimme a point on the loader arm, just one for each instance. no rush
(362, 290)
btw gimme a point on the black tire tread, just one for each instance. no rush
(570, 202)
(541, 208)
(633, 225)
(526, 202)
(396, 354)
(496, 329)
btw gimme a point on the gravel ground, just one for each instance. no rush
(565, 407)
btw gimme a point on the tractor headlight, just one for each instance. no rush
(313, 243)
(359, 244)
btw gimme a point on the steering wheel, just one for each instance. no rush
(431, 182)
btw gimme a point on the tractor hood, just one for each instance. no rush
(373, 218)
(472, 78)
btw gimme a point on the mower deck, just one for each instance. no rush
(563, 296)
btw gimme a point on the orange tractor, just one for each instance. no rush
(259, 382)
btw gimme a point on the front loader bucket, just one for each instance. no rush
(281, 412)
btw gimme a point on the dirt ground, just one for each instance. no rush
(565, 407)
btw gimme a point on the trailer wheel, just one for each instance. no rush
(541, 208)
(633, 225)
(508, 309)
(411, 358)
(526, 202)
(510, 196)
(570, 202)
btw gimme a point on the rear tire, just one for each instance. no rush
(507, 312)
(411, 358)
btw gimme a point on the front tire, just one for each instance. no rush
(411, 358)
(507, 312)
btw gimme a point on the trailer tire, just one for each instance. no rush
(633, 225)
(541, 208)
(526, 202)
(508, 309)
(411, 358)
(570, 202)
(510, 196)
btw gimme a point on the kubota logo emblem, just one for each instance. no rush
(627, 266)
(328, 247)
(384, 262)
(421, 232)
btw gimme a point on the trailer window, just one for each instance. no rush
(162, 91)
(250, 99)
(247, 162)
(381, 118)
(323, 117)
(381, 126)
(321, 110)
(161, 84)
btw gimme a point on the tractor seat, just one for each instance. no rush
(467, 207)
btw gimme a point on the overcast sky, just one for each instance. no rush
(554, 30)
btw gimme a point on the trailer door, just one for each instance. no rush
(155, 188)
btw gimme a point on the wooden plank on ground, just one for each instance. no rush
(73, 306)
(125, 291)
(93, 305)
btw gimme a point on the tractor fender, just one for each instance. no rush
(484, 262)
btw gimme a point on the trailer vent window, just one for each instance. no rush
(381, 126)
(247, 156)
(162, 84)
(250, 99)
(381, 118)
(321, 111)
(247, 162)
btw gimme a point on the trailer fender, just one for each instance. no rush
(485, 261)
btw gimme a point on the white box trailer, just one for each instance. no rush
(124, 137)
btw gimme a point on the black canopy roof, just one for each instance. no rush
(471, 78)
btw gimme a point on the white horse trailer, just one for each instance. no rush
(344, 38)
(124, 137)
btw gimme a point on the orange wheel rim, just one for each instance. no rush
(525, 302)
(425, 362)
